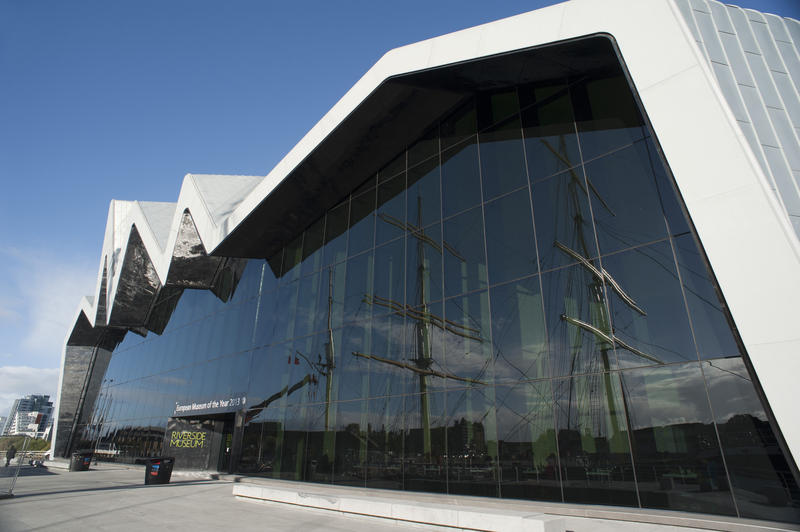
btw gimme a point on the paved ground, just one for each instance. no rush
(115, 498)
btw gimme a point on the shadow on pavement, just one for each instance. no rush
(24, 471)
(109, 488)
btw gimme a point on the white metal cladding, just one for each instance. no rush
(725, 175)
(755, 58)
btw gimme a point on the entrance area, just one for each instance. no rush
(202, 442)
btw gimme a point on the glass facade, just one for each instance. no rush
(515, 306)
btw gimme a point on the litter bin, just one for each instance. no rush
(158, 470)
(80, 461)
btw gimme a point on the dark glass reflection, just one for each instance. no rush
(647, 307)
(390, 223)
(510, 248)
(502, 158)
(466, 332)
(528, 455)
(313, 240)
(461, 184)
(596, 464)
(606, 115)
(551, 143)
(518, 332)
(625, 200)
(385, 443)
(762, 481)
(707, 311)
(424, 265)
(678, 460)
(424, 193)
(562, 216)
(351, 443)
(336, 221)
(408, 339)
(361, 233)
(472, 442)
(578, 324)
(424, 442)
(464, 253)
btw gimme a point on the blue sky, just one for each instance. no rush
(118, 100)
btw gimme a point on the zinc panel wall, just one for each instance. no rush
(756, 62)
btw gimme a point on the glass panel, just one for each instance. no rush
(667, 192)
(292, 255)
(336, 233)
(307, 302)
(578, 325)
(763, 483)
(424, 194)
(527, 442)
(351, 362)
(331, 297)
(424, 148)
(268, 384)
(312, 247)
(596, 466)
(293, 448)
(351, 443)
(607, 115)
(272, 271)
(712, 330)
(551, 144)
(320, 444)
(467, 343)
(563, 220)
(396, 167)
(284, 322)
(472, 442)
(359, 288)
(510, 247)
(461, 183)
(459, 126)
(391, 209)
(361, 235)
(424, 443)
(647, 308)
(465, 255)
(424, 266)
(502, 158)
(518, 332)
(494, 107)
(678, 461)
(424, 348)
(625, 200)
(388, 366)
(385, 443)
(388, 289)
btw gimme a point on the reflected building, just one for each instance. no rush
(491, 275)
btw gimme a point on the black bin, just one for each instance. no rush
(80, 461)
(158, 470)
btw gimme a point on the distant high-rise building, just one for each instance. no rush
(31, 415)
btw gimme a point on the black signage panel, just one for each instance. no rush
(216, 405)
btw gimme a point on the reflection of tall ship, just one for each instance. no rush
(590, 407)
(420, 360)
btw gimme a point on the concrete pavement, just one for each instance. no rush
(116, 499)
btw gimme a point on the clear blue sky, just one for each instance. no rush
(102, 100)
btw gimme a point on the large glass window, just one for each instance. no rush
(514, 305)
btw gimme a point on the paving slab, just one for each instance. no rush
(115, 499)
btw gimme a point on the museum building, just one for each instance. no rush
(554, 258)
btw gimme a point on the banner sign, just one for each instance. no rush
(225, 404)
